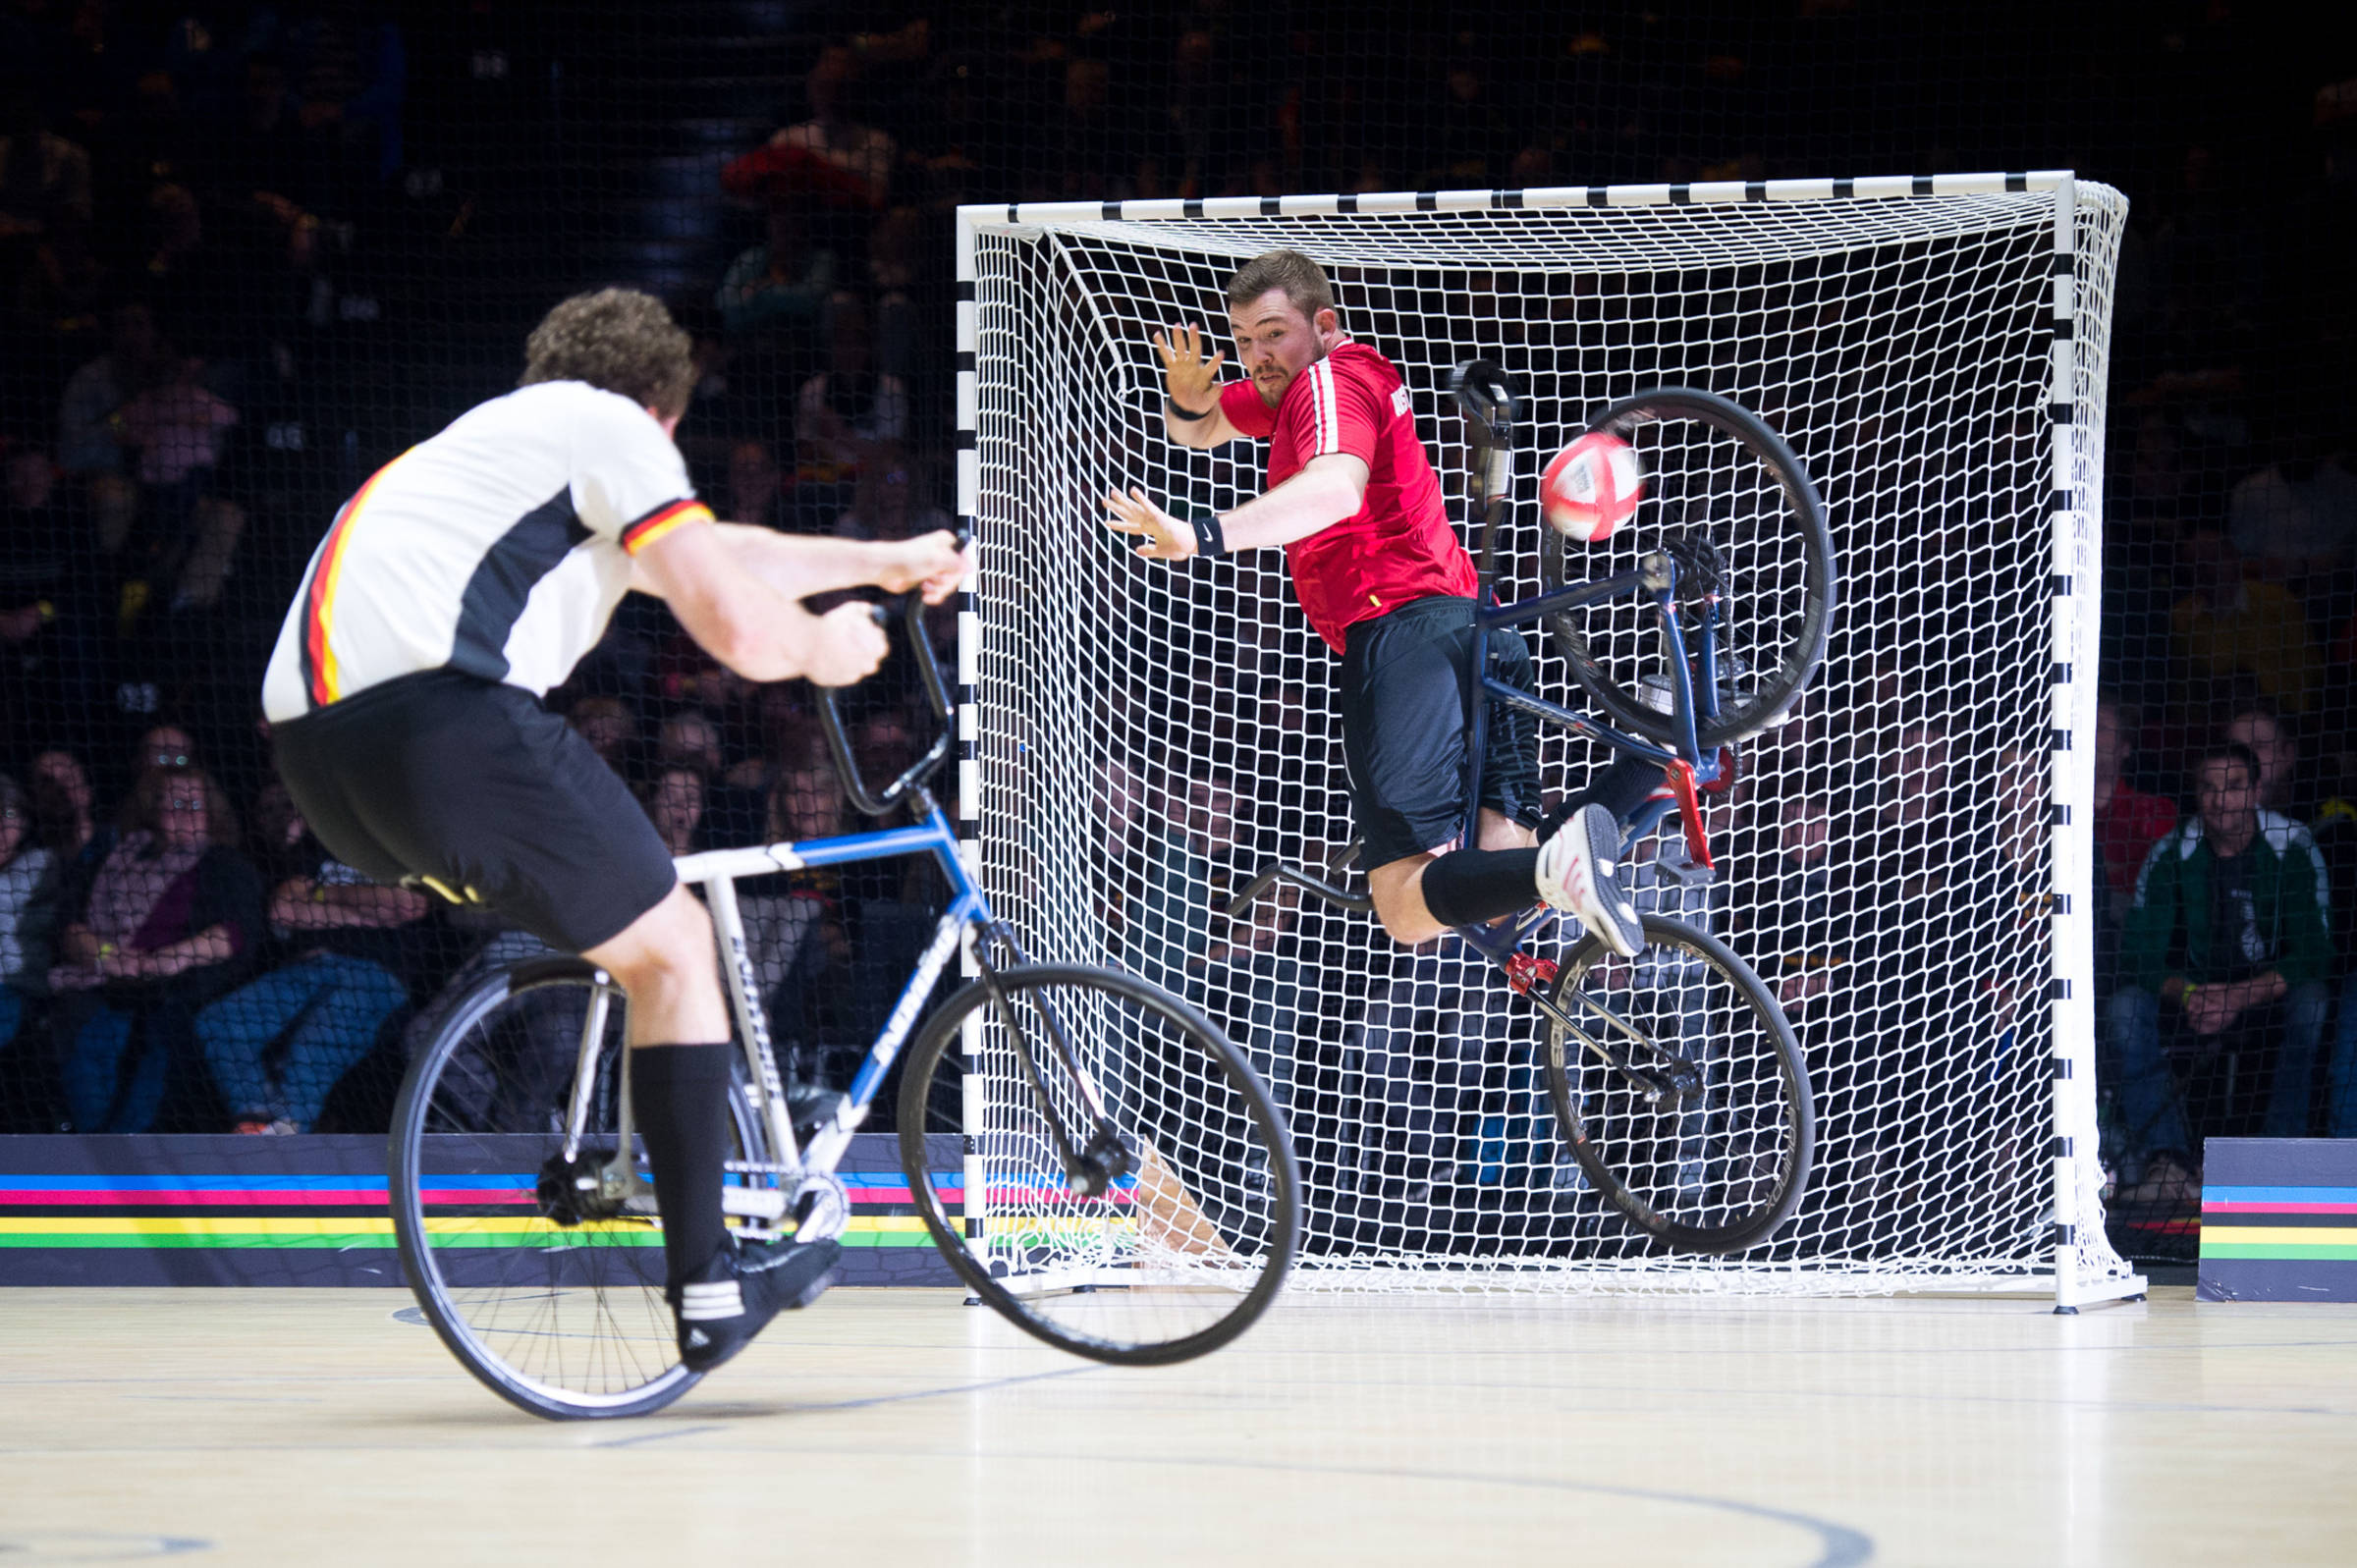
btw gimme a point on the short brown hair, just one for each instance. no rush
(619, 339)
(1303, 280)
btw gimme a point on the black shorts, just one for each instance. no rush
(1405, 715)
(476, 790)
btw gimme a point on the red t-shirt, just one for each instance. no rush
(2126, 829)
(1398, 546)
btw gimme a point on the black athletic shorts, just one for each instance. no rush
(473, 789)
(1406, 717)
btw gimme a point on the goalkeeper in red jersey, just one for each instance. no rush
(1354, 502)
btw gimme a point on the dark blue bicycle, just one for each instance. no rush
(1677, 1084)
(1126, 1188)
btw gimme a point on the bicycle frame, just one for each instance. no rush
(1657, 579)
(1489, 409)
(717, 871)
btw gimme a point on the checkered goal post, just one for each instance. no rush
(1907, 858)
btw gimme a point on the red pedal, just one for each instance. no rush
(1689, 809)
(1522, 971)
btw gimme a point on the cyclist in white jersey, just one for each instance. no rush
(459, 583)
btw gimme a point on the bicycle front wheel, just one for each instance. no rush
(1724, 490)
(1179, 1253)
(539, 1274)
(1687, 1105)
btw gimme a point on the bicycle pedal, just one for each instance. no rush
(1686, 871)
(1523, 971)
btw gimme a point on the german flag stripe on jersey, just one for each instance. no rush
(320, 676)
(662, 520)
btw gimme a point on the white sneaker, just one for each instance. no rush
(1575, 875)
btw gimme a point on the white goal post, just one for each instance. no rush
(1134, 735)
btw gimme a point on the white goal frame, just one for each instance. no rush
(2078, 1265)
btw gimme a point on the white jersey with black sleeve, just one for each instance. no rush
(499, 547)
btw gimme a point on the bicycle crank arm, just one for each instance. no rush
(1671, 1080)
(753, 1203)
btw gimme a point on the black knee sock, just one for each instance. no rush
(1621, 788)
(1468, 887)
(679, 1100)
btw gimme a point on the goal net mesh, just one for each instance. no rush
(1145, 737)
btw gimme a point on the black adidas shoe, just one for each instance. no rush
(733, 1297)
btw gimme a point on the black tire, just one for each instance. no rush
(1721, 1168)
(572, 1324)
(1710, 465)
(1217, 1169)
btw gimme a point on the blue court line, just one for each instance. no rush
(645, 1437)
(957, 1389)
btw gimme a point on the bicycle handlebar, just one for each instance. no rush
(911, 608)
(1488, 399)
(1489, 404)
(1277, 871)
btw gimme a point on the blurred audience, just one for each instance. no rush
(171, 919)
(27, 876)
(224, 262)
(278, 1046)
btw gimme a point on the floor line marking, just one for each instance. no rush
(645, 1437)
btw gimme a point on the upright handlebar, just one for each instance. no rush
(1489, 401)
(937, 692)
(1489, 405)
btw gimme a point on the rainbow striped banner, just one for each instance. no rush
(313, 1211)
(2279, 1220)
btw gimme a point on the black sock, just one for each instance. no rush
(1621, 789)
(1469, 887)
(679, 1100)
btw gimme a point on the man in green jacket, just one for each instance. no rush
(2241, 894)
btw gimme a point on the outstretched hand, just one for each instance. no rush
(1192, 382)
(1165, 537)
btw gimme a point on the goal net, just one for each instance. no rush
(1905, 860)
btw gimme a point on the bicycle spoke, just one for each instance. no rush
(554, 1297)
(1160, 1262)
(1715, 1158)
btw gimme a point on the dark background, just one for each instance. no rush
(341, 218)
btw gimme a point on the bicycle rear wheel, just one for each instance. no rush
(1175, 1257)
(1703, 1131)
(1713, 473)
(548, 1292)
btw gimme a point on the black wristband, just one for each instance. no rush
(1170, 406)
(1210, 539)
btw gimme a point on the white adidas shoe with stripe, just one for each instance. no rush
(1575, 875)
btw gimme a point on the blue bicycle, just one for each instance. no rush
(1151, 1214)
(1677, 1087)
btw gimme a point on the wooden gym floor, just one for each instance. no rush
(902, 1426)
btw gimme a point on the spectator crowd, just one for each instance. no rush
(207, 209)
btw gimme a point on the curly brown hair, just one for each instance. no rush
(620, 340)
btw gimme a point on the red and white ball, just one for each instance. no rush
(1592, 487)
